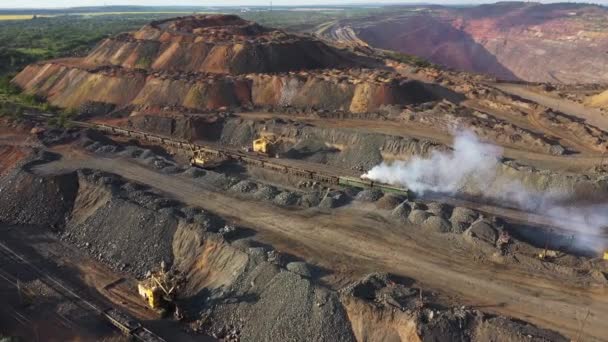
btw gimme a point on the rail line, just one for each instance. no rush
(327, 178)
(124, 322)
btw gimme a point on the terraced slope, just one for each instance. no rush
(212, 62)
(564, 43)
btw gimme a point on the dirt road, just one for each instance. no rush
(591, 115)
(351, 241)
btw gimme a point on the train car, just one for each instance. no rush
(355, 182)
(121, 320)
(363, 183)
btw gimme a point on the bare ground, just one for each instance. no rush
(351, 242)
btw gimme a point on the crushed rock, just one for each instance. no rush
(484, 231)
(334, 199)
(389, 201)
(462, 218)
(244, 186)
(286, 198)
(418, 216)
(266, 192)
(402, 211)
(194, 172)
(300, 268)
(310, 199)
(439, 209)
(369, 195)
(437, 224)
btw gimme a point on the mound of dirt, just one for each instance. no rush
(252, 298)
(266, 192)
(390, 201)
(217, 44)
(27, 198)
(286, 198)
(310, 199)
(462, 218)
(384, 308)
(437, 224)
(334, 200)
(369, 195)
(300, 268)
(418, 216)
(402, 211)
(244, 186)
(484, 231)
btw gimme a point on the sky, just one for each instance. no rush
(79, 3)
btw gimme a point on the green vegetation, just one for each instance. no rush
(29, 36)
(408, 59)
(14, 103)
(63, 117)
(23, 42)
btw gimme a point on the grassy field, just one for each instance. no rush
(4, 17)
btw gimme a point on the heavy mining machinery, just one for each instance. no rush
(207, 159)
(159, 290)
(267, 144)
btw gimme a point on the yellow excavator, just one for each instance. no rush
(268, 144)
(207, 159)
(159, 290)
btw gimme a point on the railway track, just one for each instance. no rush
(125, 323)
(326, 177)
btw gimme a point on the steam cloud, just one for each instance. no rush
(473, 166)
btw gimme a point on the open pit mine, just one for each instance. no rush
(222, 180)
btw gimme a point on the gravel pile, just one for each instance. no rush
(125, 235)
(439, 209)
(389, 201)
(462, 218)
(286, 199)
(460, 324)
(132, 229)
(300, 268)
(402, 211)
(437, 224)
(484, 231)
(334, 199)
(26, 198)
(310, 199)
(418, 216)
(266, 193)
(267, 303)
(369, 195)
(244, 186)
(217, 180)
(57, 136)
(382, 290)
(385, 294)
(131, 152)
(194, 172)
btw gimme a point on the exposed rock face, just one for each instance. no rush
(212, 62)
(215, 44)
(510, 40)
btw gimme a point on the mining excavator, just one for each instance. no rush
(267, 144)
(159, 290)
(207, 159)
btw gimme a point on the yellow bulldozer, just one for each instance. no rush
(159, 289)
(268, 144)
(207, 159)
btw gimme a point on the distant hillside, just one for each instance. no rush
(564, 42)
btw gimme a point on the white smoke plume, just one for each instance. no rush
(473, 165)
(443, 172)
